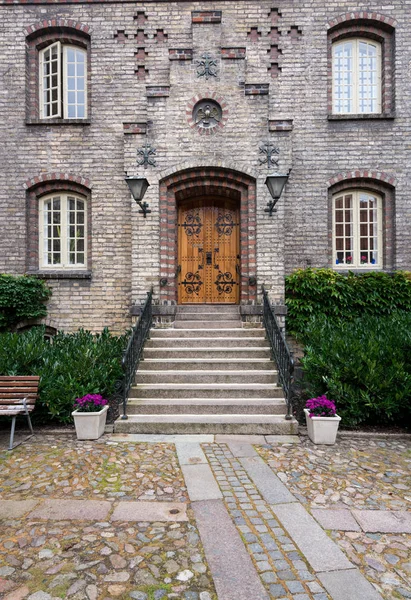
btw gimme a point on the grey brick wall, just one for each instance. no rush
(129, 52)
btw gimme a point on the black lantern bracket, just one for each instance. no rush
(275, 183)
(138, 187)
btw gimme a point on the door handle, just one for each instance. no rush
(209, 258)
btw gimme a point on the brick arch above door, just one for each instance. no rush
(204, 181)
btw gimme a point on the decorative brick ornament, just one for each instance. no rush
(207, 114)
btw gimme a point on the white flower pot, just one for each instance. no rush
(90, 425)
(322, 430)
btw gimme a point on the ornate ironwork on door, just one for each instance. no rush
(192, 283)
(225, 223)
(208, 251)
(224, 283)
(192, 224)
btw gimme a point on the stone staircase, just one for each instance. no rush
(207, 374)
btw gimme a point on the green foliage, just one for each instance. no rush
(363, 364)
(324, 291)
(70, 366)
(21, 298)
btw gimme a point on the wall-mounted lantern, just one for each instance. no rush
(138, 187)
(275, 183)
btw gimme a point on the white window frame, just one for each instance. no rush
(62, 88)
(355, 109)
(356, 262)
(64, 234)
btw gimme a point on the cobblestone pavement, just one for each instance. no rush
(91, 560)
(360, 473)
(61, 466)
(282, 569)
(355, 474)
(385, 559)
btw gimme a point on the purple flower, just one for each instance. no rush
(321, 407)
(90, 403)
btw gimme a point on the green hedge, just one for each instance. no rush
(21, 298)
(363, 364)
(312, 292)
(70, 366)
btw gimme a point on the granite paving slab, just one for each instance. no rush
(241, 449)
(347, 585)
(150, 511)
(322, 553)
(282, 439)
(14, 509)
(190, 453)
(80, 510)
(384, 521)
(233, 572)
(337, 519)
(153, 438)
(270, 487)
(200, 482)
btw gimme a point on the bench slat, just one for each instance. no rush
(14, 401)
(15, 393)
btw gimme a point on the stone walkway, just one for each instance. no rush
(204, 518)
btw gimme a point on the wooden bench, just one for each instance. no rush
(18, 395)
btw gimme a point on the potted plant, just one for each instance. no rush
(90, 416)
(322, 420)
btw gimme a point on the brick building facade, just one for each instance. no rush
(203, 100)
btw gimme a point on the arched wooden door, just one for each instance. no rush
(208, 251)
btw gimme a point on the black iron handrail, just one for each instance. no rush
(279, 350)
(131, 358)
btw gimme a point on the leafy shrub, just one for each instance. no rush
(364, 365)
(70, 366)
(21, 298)
(312, 292)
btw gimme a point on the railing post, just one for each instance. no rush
(279, 351)
(132, 354)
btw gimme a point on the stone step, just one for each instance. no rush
(191, 376)
(216, 342)
(207, 316)
(208, 324)
(210, 364)
(206, 353)
(214, 424)
(206, 333)
(199, 406)
(205, 390)
(214, 308)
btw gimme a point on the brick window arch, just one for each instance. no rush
(58, 73)
(361, 66)
(59, 227)
(361, 224)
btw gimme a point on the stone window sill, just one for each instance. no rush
(362, 117)
(58, 122)
(60, 274)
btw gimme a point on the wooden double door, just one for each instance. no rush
(208, 251)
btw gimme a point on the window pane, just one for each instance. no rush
(75, 83)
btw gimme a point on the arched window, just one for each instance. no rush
(361, 67)
(62, 81)
(63, 231)
(356, 76)
(357, 230)
(58, 73)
